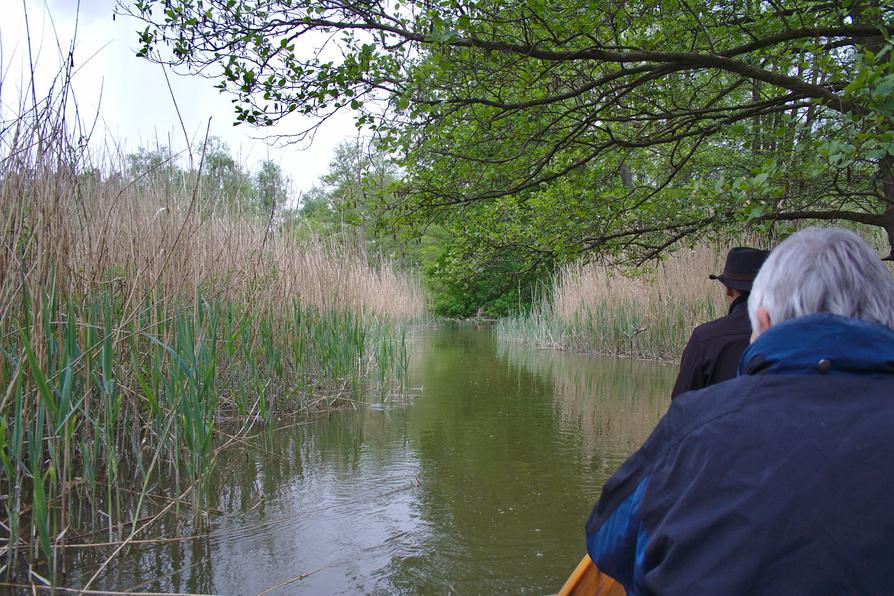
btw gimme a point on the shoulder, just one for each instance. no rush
(732, 325)
(695, 409)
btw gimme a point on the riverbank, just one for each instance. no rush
(647, 313)
(135, 319)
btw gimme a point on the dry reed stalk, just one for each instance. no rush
(134, 314)
(219, 254)
(92, 228)
(646, 313)
(681, 280)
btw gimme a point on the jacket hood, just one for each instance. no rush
(821, 343)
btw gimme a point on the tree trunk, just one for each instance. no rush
(885, 176)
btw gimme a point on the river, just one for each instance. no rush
(478, 482)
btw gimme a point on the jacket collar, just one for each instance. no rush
(741, 302)
(821, 344)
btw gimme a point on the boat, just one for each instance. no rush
(588, 579)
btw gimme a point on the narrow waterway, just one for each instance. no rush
(478, 483)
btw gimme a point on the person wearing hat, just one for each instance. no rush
(780, 480)
(713, 351)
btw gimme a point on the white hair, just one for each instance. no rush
(827, 270)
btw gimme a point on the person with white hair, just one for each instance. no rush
(781, 480)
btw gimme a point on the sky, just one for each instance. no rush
(131, 96)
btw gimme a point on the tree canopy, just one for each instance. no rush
(223, 181)
(560, 127)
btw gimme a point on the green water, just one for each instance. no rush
(478, 483)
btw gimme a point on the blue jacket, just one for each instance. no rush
(780, 481)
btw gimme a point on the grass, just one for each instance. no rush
(647, 313)
(143, 331)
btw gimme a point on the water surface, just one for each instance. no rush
(478, 483)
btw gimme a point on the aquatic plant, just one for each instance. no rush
(645, 313)
(142, 331)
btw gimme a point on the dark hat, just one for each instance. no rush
(742, 265)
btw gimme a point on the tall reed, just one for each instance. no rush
(647, 313)
(135, 322)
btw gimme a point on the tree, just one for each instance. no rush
(315, 214)
(223, 181)
(619, 126)
(157, 166)
(350, 195)
(271, 187)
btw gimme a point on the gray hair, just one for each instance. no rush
(823, 270)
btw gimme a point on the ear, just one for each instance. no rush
(730, 293)
(763, 322)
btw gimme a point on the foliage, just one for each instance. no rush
(222, 181)
(271, 187)
(134, 325)
(222, 178)
(618, 126)
(159, 163)
(316, 214)
(465, 277)
(104, 398)
(469, 276)
(353, 193)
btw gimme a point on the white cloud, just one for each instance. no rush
(131, 96)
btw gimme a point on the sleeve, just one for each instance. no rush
(616, 535)
(691, 376)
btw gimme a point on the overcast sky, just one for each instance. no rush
(130, 94)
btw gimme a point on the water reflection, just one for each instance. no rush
(479, 485)
(610, 404)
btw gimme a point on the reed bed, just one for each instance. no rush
(145, 328)
(646, 313)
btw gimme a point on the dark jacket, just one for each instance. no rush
(713, 351)
(780, 481)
